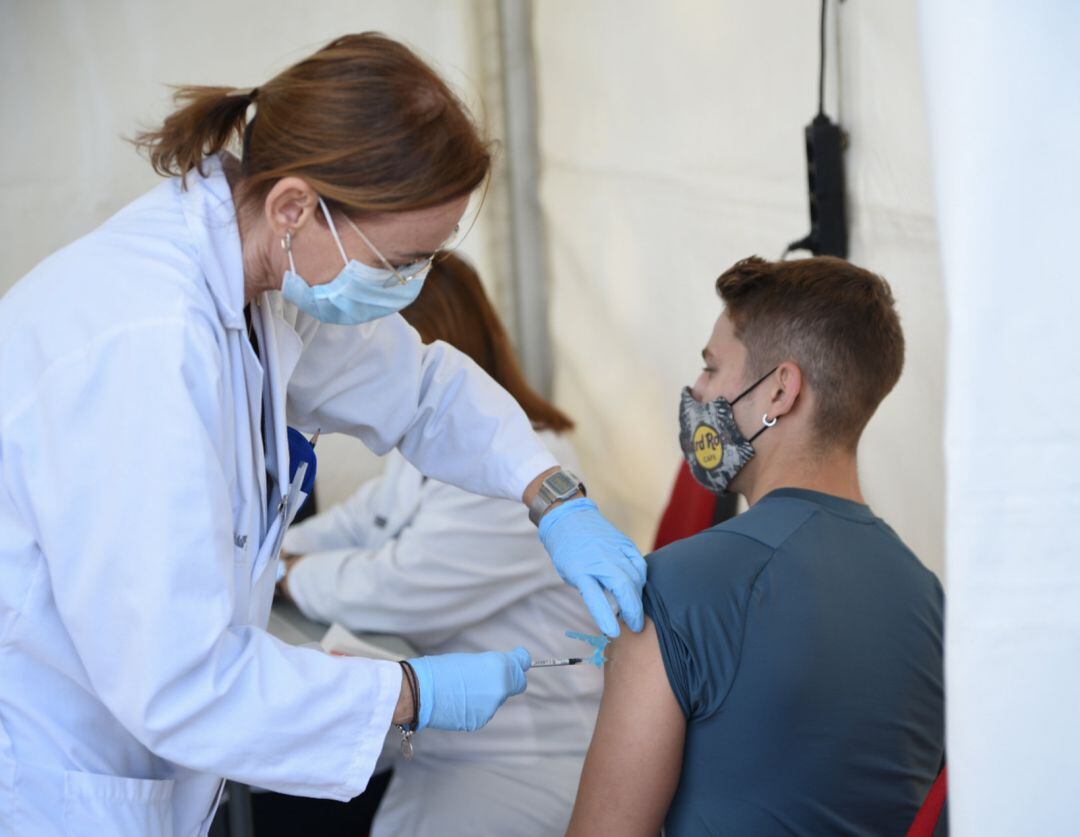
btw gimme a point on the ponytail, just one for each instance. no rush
(205, 121)
(368, 124)
(453, 307)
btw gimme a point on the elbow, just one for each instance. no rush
(154, 716)
(168, 714)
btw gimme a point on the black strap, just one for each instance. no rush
(414, 690)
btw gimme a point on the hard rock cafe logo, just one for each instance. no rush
(708, 449)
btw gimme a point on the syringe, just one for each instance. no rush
(568, 661)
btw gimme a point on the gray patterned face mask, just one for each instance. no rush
(714, 447)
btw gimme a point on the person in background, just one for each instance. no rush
(453, 571)
(789, 677)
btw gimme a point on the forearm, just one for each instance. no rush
(345, 525)
(463, 575)
(328, 715)
(441, 410)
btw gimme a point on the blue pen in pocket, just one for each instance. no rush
(302, 464)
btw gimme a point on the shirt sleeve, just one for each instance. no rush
(122, 464)
(380, 383)
(698, 594)
(347, 525)
(459, 560)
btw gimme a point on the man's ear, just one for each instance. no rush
(786, 387)
(290, 205)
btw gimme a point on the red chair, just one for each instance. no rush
(926, 821)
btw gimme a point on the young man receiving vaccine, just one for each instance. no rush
(789, 677)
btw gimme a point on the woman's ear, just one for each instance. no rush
(785, 391)
(290, 205)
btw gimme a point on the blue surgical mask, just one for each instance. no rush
(359, 294)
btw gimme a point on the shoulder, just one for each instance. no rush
(137, 272)
(733, 552)
(715, 554)
(772, 522)
(708, 579)
(141, 262)
(699, 588)
(697, 594)
(146, 252)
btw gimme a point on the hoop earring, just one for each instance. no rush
(767, 423)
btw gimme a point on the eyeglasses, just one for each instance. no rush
(416, 270)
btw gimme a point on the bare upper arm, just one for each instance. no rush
(635, 759)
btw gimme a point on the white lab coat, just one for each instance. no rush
(453, 571)
(139, 536)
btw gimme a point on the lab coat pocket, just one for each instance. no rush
(95, 804)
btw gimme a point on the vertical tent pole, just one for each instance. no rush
(528, 281)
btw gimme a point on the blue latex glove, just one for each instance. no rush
(594, 556)
(463, 691)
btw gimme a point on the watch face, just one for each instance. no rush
(562, 483)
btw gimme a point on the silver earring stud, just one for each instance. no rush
(767, 423)
(286, 241)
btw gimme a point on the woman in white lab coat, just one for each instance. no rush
(416, 557)
(149, 374)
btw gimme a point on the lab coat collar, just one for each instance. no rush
(281, 347)
(290, 345)
(211, 218)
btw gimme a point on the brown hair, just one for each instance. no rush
(364, 120)
(838, 322)
(454, 308)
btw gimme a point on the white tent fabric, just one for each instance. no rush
(1003, 87)
(671, 146)
(671, 140)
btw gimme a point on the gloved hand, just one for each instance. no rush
(463, 691)
(594, 556)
